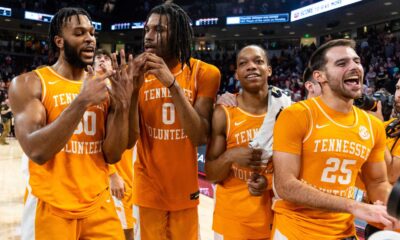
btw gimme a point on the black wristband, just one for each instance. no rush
(172, 84)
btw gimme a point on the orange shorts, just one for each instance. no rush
(39, 222)
(124, 209)
(162, 225)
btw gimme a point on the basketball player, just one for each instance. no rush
(70, 125)
(121, 173)
(232, 164)
(175, 108)
(312, 87)
(320, 145)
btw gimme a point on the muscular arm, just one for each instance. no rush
(218, 164)
(195, 119)
(289, 187)
(116, 140)
(375, 180)
(134, 129)
(219, 159)
(393, 166)
(39, 141)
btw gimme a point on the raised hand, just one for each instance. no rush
(156, 66)
(94, 88)
(121, 81)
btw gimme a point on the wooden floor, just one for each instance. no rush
(12, 188)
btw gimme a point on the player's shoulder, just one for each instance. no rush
(205, 66)
(301, 107)
(25, 81)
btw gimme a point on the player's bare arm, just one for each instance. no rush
(137, 69)
(376, 181)
(393, 166)
(116, 140)
(289, 187)
(39, 140)
(218, 159)
(195, 119)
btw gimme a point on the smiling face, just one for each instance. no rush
(253, 69)
(343, 73)
(77, 42)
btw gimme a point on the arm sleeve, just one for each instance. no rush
(208, 80)
(290, 129)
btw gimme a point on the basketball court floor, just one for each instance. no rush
(12, 189)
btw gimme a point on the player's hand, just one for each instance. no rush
(376, 213)
(246, 157)
(227, 99)
(122, 81)
(94, 87)
(155, 65)
(117, 186)
(257, 184)
(137, 70)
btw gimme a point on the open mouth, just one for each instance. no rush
(353, 81)
(89, 51)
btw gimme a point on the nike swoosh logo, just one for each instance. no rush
(239, 123)
(54, 82)
(321, 126)
(147, 81)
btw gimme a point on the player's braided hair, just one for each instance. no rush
(180, 33)
(58, 21)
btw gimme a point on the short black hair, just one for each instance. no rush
(58, 21)
(318, 60)
(257, 46)
(180, 33)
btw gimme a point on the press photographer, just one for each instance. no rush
(370, 103)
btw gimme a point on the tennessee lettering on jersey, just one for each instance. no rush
(163, 92)
(237, 213)
(245, 136)
(79, 170)
(333, 146)
(343, 146)
(166, 157)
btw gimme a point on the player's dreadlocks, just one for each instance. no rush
(59, 20)
(180, 32)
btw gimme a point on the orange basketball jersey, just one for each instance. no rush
(237, 213)
(166, 169)
(333, 147)
(75, 180)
